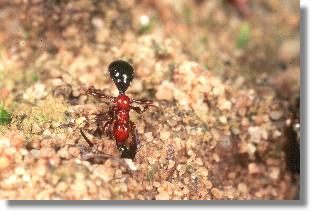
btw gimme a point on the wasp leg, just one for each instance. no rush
(146, 104)
(87, 139)
(100, 128)
(140, 110)
(104, 121)
(108, 129)
(142, 101)
(99, 94)
(135, 134)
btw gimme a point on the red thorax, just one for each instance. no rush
(121, 127)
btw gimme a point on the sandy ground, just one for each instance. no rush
(224, 74)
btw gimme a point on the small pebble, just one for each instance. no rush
(63, 153)
(149, 136)
(276, 115)
(165, 91)
(223, 119)
(4, 142)
(131, 164)
(242, 188)
(253, 168)
(47, 133)
(164, 135)
(4, 163)
(35, 153)
(20, 171)
(218, 194)
(274, 173)
(36, 129)
(208, 184)
(74, 151)
(26, 178)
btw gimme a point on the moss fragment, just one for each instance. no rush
(187, 14)
(5, 116)
(34, 77)
(243, 36)
(26, 35)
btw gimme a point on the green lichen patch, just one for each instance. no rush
(48, 113)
